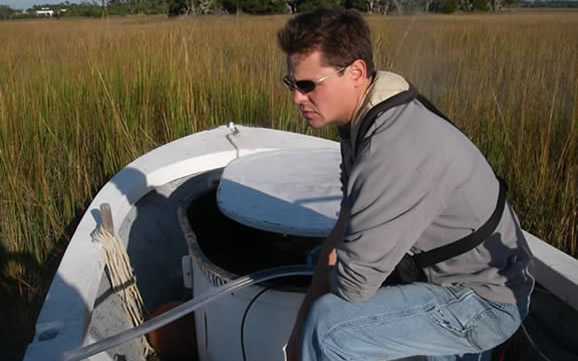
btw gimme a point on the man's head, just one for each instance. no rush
(329, 64)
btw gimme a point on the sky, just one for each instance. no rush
(26, 4)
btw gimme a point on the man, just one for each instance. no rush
(411, 183)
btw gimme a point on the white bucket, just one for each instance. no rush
(267, 325)
(269, 317)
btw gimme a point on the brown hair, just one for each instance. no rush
(341, 35)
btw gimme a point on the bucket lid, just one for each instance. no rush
(295, 192)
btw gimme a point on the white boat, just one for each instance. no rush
(170, 262)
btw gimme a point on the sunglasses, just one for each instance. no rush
(306, 86)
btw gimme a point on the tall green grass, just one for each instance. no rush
(79, 99)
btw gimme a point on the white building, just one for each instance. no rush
(44, 12)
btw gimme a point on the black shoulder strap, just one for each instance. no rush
(465, 244)
(471, 241)
(369, 118)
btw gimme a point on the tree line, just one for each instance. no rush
(99, 8)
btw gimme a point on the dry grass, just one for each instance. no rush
(81, 98)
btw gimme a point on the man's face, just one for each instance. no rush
(330, 102)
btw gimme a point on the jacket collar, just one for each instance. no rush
(384, 86)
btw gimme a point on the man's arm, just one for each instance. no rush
(319, 285)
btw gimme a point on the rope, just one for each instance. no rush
(122, 280)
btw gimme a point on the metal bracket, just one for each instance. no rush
(187, 267)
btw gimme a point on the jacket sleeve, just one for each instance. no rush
(391, 205)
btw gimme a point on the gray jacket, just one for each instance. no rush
(418, 183)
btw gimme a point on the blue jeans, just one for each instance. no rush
(441, 323)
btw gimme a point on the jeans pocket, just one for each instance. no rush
(447, 320)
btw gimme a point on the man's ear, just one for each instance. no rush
(358, 71)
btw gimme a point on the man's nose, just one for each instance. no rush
(298, 97)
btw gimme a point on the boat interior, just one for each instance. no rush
(156, 246)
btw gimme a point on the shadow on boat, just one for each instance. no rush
(21, 299)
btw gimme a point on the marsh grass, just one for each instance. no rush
(79, 99)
